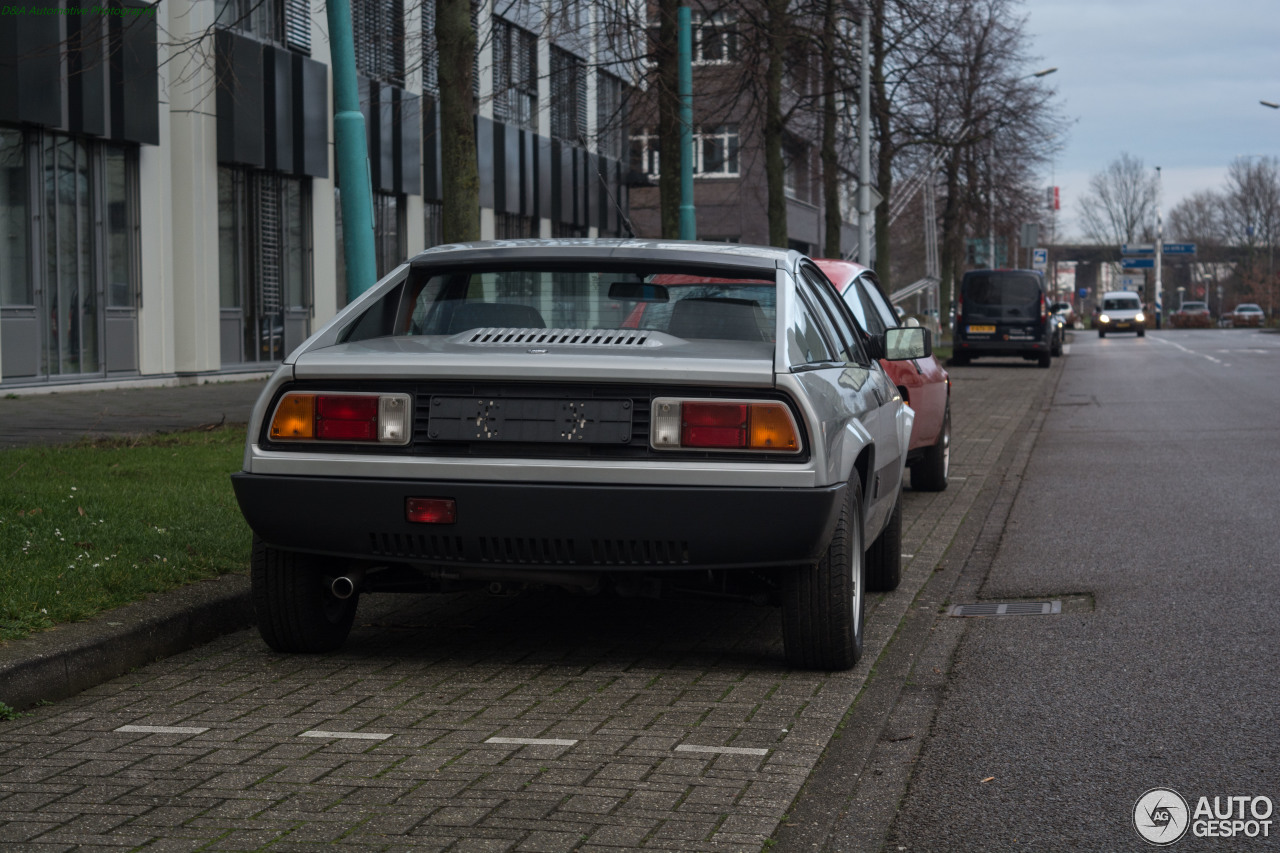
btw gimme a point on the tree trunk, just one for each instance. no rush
(667, 51)
(460, 188)
(830, 163)
(882, 118)
(776, 53)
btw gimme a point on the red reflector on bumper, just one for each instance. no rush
(430, 510)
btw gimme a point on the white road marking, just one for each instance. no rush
(727, 750)
(1189, 351)
(532, 741)
(164, 730)
(349, 735)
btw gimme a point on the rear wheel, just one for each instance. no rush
(823, 604)
(1045, 360)
(884, 557)
(959, 360)
(930, 472)
(296, 611)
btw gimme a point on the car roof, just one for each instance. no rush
(1111, 294)
(690, 255)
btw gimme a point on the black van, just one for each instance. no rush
(1004, 313)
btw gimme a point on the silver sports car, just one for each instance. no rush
(627, 415)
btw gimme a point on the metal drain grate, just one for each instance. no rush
(1008, 608)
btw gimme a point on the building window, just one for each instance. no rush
(15, 220)
(430, 56)
(512, 226)
(515, 75)
(644, 153)
(568, 97)
(286, 22)
(388, 231)
(264, 260)
(611, 118)
(795, 176)
(433, 215)
(716, 152)
(715, 39)
(378, 31)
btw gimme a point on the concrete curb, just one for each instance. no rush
(70, 658)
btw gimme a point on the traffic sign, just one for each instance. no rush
(1138, 263)
(1138, 248)
(1039, 259)
(1179, 248)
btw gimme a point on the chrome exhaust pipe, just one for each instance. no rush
(345, 586)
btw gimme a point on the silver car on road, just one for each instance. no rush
(625, 415)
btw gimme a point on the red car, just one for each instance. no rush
(923, 382)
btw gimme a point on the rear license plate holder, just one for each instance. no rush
(530, 420)
(982, 330)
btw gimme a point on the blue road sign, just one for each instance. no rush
(1084, 291)
(1138, 248)
(1179, 248)
(1138, 263)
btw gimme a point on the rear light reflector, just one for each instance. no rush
(745, 425)
(431, 510)
(364, 418)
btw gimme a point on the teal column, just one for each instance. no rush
(352, 153)
(688, 222)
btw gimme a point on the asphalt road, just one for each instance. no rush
(1153, 492)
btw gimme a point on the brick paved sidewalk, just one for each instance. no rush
(627, 724)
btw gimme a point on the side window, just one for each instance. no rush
(877, 303)
(838, 316)
(805, 341)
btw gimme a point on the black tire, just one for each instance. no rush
(929, 473)
(823, 605)
(295, 610)
(1102, 333)
(1045, 360)
(959, 360)
(884, 557)
(1056, 349)
(1142, 333)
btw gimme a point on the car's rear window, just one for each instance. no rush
(727, 308)
(1002, 295)
(1121, 303)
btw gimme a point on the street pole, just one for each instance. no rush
(864, 138)
(1159, 300)
(352, 154)
(688, 219)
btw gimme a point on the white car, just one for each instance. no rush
(574, 413)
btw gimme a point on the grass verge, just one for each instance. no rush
(91, 526)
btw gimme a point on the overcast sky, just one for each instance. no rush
(1176, 83)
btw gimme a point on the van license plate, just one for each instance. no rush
(982, 330)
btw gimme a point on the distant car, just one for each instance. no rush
(924, 383)
(1191, 315)
(1121, 311)
(481, 417)
(1068, 313)
(1246, 315)
(1005, 313)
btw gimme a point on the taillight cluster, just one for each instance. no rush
(358, 418)
(746, 425)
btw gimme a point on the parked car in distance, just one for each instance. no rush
(1245, 315)
(1068, 313)
(1191, 315)
(471, 421)
(923, 382)
(1004, 313)
(1121, 311)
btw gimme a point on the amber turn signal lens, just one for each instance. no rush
(295, 417)
(772, 428)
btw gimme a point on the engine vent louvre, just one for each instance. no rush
(561, 337)
(526, 551)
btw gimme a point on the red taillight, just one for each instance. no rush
(431, 510)
(1044, 309)
(713, 425)
(346, 418)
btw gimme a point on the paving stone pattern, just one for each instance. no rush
(628, 680)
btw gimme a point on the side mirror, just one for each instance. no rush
(906, 343)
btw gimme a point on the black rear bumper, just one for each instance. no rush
(539, 526)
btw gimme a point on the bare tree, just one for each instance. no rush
(460, 185)
(1120, 204)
